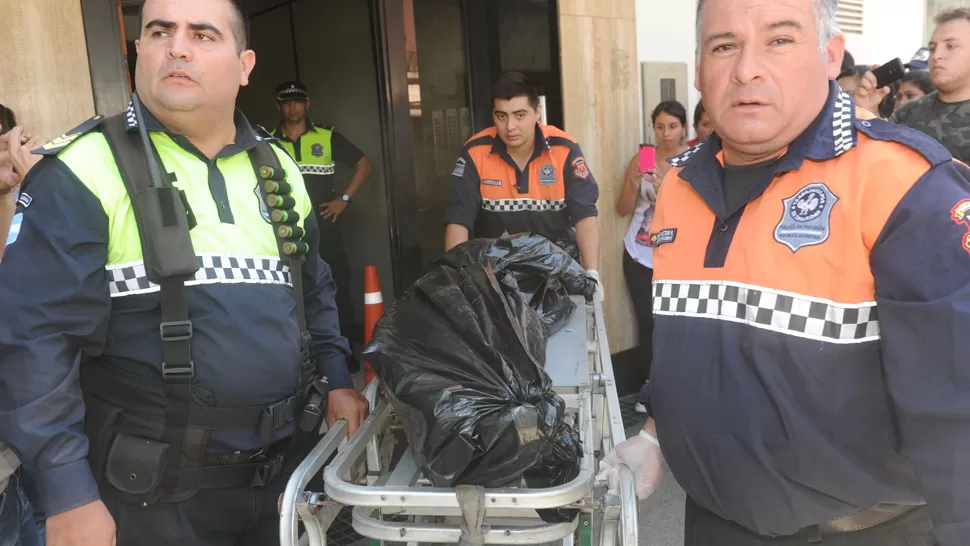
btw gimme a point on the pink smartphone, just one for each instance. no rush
(648, 158)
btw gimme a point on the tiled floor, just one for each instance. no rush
(342, 532)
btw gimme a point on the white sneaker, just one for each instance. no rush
(639, 408)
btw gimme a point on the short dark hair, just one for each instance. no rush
(698, 112)
(7, 119)
(671, 108)
(848, 61)
(952, 15)
(888, 104)
(240, 24)
(514, 84)
(857, 72)
(920, 78)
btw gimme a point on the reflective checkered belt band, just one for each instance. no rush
(783, 312)
(317, 169)
(517, 205)
(130, 279)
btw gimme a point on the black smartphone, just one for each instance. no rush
(889, 73)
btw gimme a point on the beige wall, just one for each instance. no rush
(599, 73)
(46, 80)
(934, 8)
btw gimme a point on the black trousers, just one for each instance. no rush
(703, 528)
(333, 252)
(239, 516)
(639, 280)
(236, 516)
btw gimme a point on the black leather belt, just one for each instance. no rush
(865, 519)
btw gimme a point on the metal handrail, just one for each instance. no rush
(339, 488)
(629, 506)
(411, 532)
(629, 526)
(312, 464)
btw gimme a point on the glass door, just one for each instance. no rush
(439, 109)
(439, 59)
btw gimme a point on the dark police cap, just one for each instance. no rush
(292, 90)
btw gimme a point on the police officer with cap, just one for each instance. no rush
(168, 333)
(317, 149)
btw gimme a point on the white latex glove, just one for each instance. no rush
(599, 284)
(642, 454)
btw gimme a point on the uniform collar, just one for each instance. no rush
(246, 136)
(310, 127)
(541, 145)
(830, 135)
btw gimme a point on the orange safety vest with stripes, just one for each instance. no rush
(491, 195)
(809, 360)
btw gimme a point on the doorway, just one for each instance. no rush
(407, 82)
(440, 57)
(329, 45)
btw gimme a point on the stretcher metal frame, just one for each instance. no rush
(397, 504)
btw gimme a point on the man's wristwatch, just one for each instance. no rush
(346, 198)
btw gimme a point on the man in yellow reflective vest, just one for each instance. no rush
(149, 407)
(317, 149)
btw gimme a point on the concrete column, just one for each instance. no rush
(599, 73)
(46, 78)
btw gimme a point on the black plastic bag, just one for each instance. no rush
(461, 355)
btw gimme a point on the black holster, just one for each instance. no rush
(125, 422)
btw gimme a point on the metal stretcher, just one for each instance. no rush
(375, 473)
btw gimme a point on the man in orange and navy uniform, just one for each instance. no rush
(812, 302)
(523, 176)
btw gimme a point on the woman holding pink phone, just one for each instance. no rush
(644, 176)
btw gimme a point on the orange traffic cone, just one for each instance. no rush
(373, 309)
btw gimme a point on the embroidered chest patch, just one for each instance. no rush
(663, 237)
(807, 217)
(547, 175)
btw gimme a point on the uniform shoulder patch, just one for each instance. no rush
(580, 170)
(324, 127)
(877, 129)
(960, 214)
(60, 143)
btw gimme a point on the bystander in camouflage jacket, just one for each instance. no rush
(947, 122)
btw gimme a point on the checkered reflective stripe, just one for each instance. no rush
(782, 312)
(317, 169)
(518, 205)
(845, 138)
(130, 120)
(130, 279)
(681, 160)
